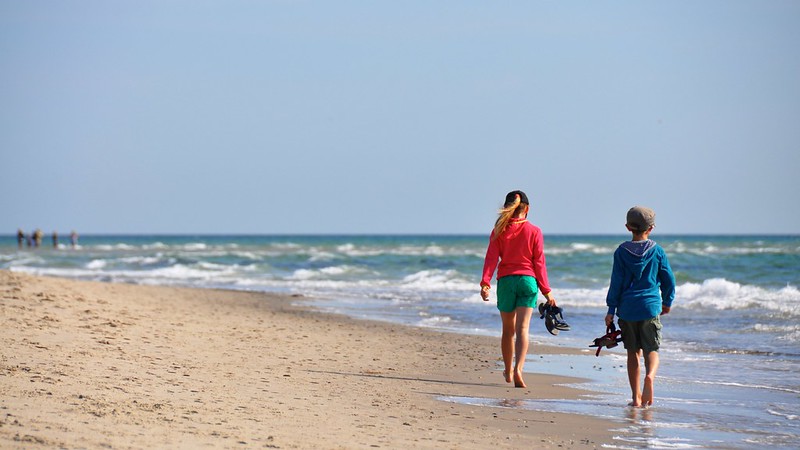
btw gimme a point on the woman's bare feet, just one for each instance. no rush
(507, 376)
(518, 381)
(636, 402)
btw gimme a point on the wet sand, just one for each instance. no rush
(102, 365)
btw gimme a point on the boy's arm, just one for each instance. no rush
(667, 280)
(615, 287)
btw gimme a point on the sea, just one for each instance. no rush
(730, 356)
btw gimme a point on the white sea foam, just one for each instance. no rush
(352, 250)
(320, 255)
(433, 250)
(155, 246)
(325, 272)
(744, 385)
(147, 260)
(580, 247)
(96, 264)
(115, 247)
(247, 255)
(785, 415)
(25, 259)
(216, 267)
(773, 328)
(56, 272)
(710, 249)
(434, 321)
(723, 294)
(179, 272)
(437, 280)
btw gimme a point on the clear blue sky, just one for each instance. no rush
(398, 117)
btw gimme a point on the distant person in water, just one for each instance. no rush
(516, 250)
(20, 238)
(73, 237)
(642, 288)
(37, 238)
(55, 239)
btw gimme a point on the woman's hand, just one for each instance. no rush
(485, 292)
(551, 300)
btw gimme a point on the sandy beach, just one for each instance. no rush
(102, 365)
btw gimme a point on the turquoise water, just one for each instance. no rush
(731, 354)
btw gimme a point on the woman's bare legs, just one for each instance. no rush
(515, 324)
(507, 341)
(523, 324)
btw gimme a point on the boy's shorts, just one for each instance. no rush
(642, 334)
(514, 291)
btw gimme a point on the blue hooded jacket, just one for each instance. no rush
(641, 281)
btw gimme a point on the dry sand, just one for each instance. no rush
(101, 365)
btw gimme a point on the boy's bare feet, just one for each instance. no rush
(647, 392)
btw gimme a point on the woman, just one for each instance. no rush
(518, 246)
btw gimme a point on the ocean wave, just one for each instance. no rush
(147, 260)
(247, 255)
(24, 260)
(739, 249)
(434, 321)
(437, 280)
(84, 274)
(580, 247)
(155, 246)
(114, 247)
(744, 385)
(96, 264)
(715, 293)
(193, 246)
(784, 414)
(350, 249)
(720, 293)
(326, 272)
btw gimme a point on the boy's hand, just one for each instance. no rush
(485, 293)
(665, 309)
(609, 320)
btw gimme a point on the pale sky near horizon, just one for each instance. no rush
(398, 117)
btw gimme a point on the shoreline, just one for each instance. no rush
(92, 364)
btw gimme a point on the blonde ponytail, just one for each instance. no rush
(508, 211)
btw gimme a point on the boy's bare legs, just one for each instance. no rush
(633, 377)
(507, 341)
(523, 324)
(651, 361)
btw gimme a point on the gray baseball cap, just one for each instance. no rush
(641, 218)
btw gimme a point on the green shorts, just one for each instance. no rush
(514, 291)
(642, 334)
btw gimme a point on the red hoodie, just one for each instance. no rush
(520, 251)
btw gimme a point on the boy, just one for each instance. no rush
(641, 270)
